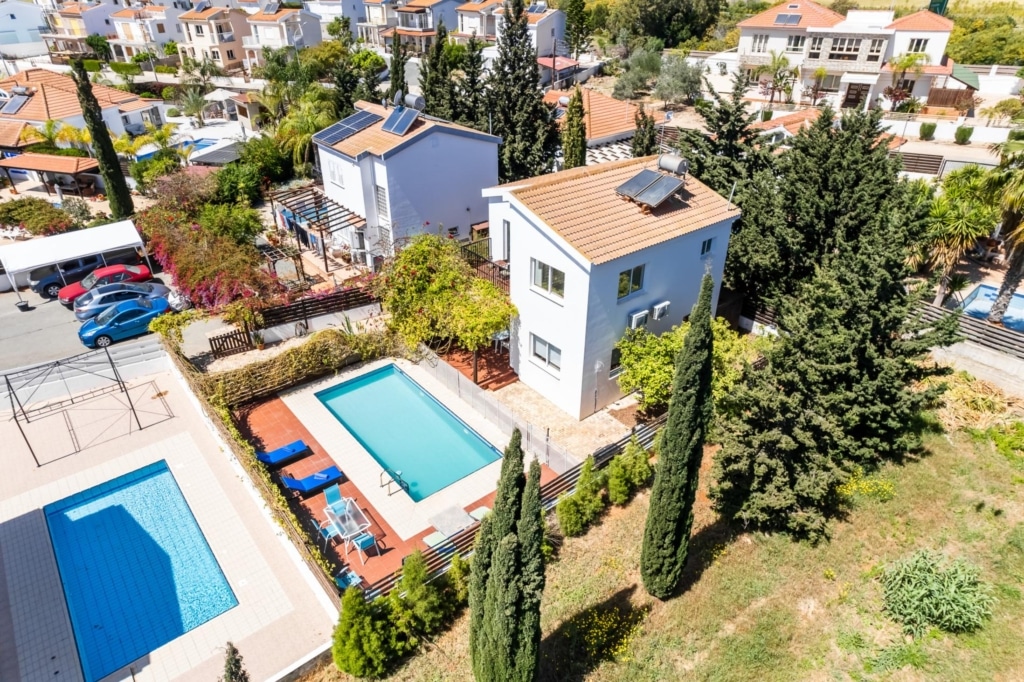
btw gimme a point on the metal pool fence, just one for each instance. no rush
(536, 440)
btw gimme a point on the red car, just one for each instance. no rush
(100, 276)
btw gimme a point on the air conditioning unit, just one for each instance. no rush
(639, 319)
(661, 310)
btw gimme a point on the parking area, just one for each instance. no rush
(46, 331)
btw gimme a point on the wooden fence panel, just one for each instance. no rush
(237, 341)
(313, 306)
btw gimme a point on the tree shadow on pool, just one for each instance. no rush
(599, 633)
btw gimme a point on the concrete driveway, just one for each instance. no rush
(47, 331)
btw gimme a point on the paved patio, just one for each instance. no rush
(282, 614)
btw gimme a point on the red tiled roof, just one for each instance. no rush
(922, 21)
(812, 15)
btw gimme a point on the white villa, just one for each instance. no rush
(596, 250)
(389, 174)
(145, 28)
(279, 27)
(22, 29)
(855, 51)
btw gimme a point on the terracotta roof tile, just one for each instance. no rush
(55, 96)
(531, 18)
(373, 139)
(793, 123)
(422, 3)
(582, 207)
(478, 6)
(50, 163)
(276, 16)
(10, 133)
(147, 12)
(922, 21)
(811, 15)
(193, 15)
(138, 104)
(927, 69)
(606, 117)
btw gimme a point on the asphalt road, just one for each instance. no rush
(47, 331)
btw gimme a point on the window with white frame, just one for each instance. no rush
(548, 279)
(815, 51)
(335, 176)
(918, 45)
(215, 55)
(830, 83)
(382, 203)
(631, 280)
(545, 354)
(760, 42)
(796, 43)
(705, 246)
(876, 49)
(199, 30)
(906, 85)
(506, 235)
(845, 49)
(231, 54)
(615, 367)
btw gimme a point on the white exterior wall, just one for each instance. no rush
(937, 41)
(547, 31)
(587, 323)
(328, 10)
(444, 11)
(471, 22)
(19, 36)
(343, 180)
(777, 40)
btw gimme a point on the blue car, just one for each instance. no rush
(122, 321)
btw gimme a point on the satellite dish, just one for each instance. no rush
(398, 98)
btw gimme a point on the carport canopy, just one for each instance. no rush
(40, 252)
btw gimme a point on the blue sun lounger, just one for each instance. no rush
(283, 454)
(312, 482)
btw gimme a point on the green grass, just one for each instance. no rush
(767, 608)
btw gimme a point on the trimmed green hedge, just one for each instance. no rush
(92, 65)
(125, 69)
(44, 148)
(928, 131)
(160, 68)
(963, 134)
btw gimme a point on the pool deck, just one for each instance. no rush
(283, 615)
(399, 523)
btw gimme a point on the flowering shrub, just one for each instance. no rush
(871, 487)
(37, 216)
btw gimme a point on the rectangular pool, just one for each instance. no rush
(979, 302)
(136, 569)
(407, 430)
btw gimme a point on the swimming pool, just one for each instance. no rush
(407, 430)
(136, 569)
(201, 143)
(979, 302)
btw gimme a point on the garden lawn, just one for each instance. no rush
(767, 608)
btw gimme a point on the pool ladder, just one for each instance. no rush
(393, 477)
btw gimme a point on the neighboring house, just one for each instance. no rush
(21, 28)
(38, 95)
(607, 119)
(854, 50)
(780, 130)
(378, 16)
(380, 187)
(546, 28)
(277, 28)
(11, 140)
(418, 21)
(329, 10)
(248, 110)
(71, 23)
(143, 29)
(586, 263)
(214, 33)
(480, 18)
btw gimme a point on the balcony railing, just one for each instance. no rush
(226, 37)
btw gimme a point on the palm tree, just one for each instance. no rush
(908, 61)
(200, 73)
(162, 137)
(129, 146)
(79, 138)
(954, 226)
(49, 134)
(193, 103)
(780, 74)
(1006, 182)
(314, 112)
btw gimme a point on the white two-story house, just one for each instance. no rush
(214, 34)
(70, 23)
(593, 251)
(479, 18)
(417, 22)
(22, 28)
(853, 50)
(390, 174)
(329, 10)
(276, 27)
(546, 27)
(145, 29)
(378, 16)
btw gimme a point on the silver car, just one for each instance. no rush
(95, 301)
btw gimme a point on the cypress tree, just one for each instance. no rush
(494, 660)
(472, 87)
(521, 119)
(670, 517)
(500, 522)
(118, 195)
(531, 566)
(436, 82)
(645, 139)
(234, 670)
(399, 58)
(574, 132)
(577, 30)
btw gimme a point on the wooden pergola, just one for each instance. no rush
(72, 166)
(312, 207)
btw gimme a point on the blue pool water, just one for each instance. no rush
(979, 302)
(136, 569)
(407, 430)
(197, 145)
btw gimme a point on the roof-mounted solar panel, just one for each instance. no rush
(347, 128)
(14, 104)
(658, 191)
(400, 120)
(638, 183)
(393, 117)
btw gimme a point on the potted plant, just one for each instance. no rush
(257, 339)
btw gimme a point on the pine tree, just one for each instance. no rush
(531, 567)
(120, 198)
(234, 670)
(500, 522)
(399, 59)
(574, 132)
(345, 79)
(670, 517)
(577, 30)
(472, 87)
(360, 647)
(436, 81)
(645, 139)
(521, 119)
(494, 659)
